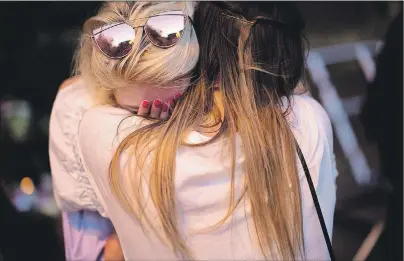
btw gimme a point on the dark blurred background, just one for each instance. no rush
(36, 49)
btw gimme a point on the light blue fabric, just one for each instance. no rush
(85, 234)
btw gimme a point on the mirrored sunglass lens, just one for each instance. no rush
(165, 30)
(115, 40)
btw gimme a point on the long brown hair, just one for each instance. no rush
(261, 62)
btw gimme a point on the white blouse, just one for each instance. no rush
(84, 137)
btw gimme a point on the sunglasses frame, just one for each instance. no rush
(145, 31)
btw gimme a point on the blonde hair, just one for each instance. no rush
(157, 66)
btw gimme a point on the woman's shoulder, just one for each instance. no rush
(69, 106)
(73, 93)
(107, 125)
(311, 126)
(101, 131)
(69, 82)
(71, 188)
(107, 115)
(308, 115)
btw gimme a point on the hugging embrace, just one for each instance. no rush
(185, 134)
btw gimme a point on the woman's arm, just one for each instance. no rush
(314, 135)
(87, 235)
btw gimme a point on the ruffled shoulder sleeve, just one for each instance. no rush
(71, 186)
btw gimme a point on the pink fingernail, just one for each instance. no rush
(165, 107)
(157, 103)
(177, 96)
(145, 104)
(171, 102)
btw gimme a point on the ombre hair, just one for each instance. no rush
(263, 52)
(146, 63)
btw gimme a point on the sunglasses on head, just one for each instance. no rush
(116, 40)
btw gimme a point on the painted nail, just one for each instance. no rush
(145, 104)
(165, 107)
(157, 103)
(177, 96)
(171, 102)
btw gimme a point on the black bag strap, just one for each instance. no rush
(316, 203)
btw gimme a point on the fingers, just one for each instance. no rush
(156, 109)
(173, 102)
(171, 105)
(144, 109)
(177, 96)
(164, 111)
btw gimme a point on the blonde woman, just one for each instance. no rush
(166, 65)
(220, 179)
